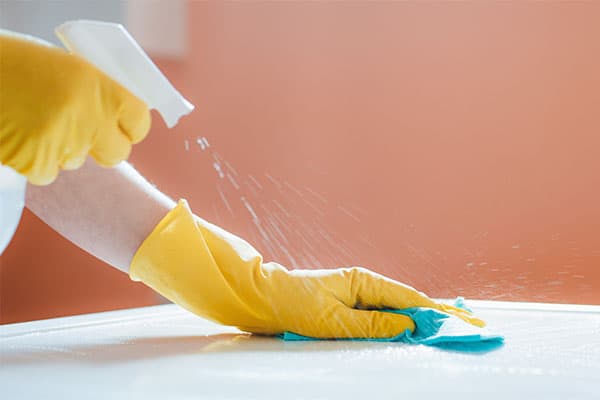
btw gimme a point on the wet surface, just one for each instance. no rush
(165, 352)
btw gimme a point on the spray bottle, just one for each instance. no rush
(114, 51)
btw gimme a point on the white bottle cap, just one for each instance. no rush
(116, 53)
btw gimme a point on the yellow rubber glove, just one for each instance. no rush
(221, 277)
(56, 108)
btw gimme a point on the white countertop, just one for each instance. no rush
(163, 352)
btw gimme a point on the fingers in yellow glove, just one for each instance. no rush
(111, 148)
(462, 314)
(57, 108)
(344, 322)
(384, 292)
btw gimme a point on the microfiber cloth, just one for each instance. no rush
(435, 328)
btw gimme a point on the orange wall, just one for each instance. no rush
(453, 146)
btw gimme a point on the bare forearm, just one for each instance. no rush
(107, 212)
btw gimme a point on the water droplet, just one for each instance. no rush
(348, 213)
(250, 210)
(224, 199)
(217, 168)
(233, 181)
(253, 179)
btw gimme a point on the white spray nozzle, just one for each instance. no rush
(116, 53)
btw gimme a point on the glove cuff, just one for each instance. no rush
(160, 261)
(180, 260)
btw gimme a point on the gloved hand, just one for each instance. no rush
(221, 277)
(56, 108)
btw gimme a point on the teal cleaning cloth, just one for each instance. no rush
(435, 328)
